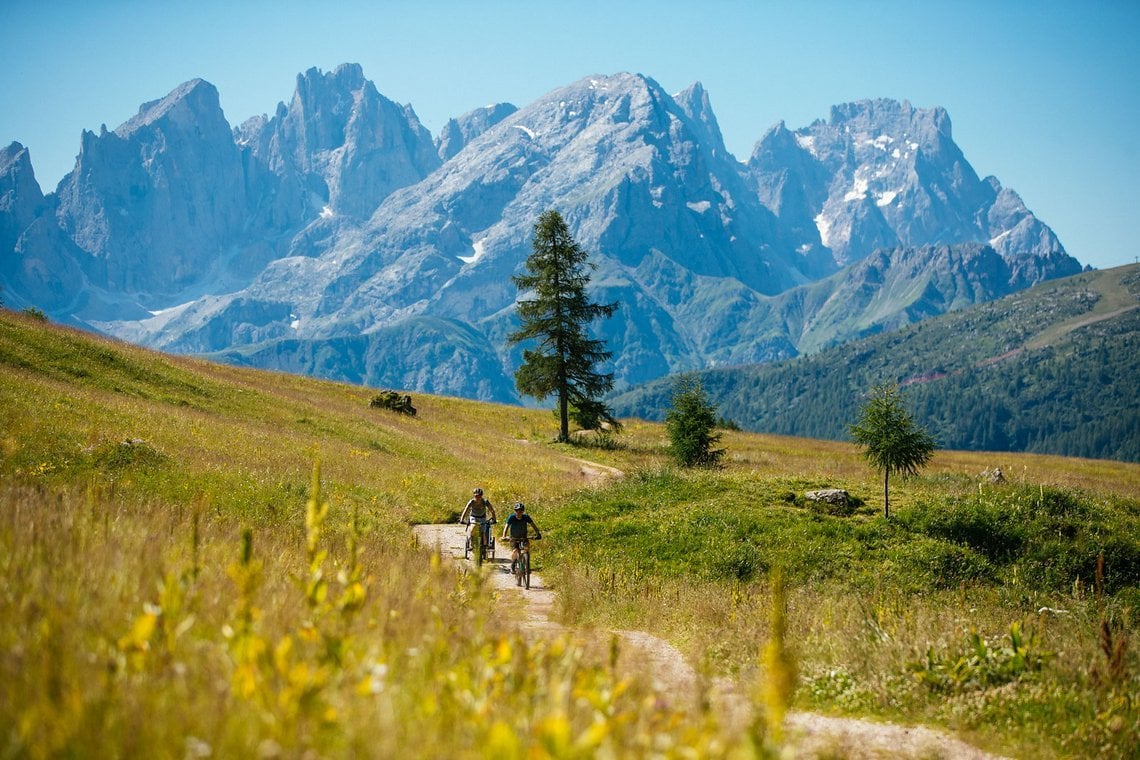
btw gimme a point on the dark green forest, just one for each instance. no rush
(1054, 369)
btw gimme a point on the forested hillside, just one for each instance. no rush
(1050, 370)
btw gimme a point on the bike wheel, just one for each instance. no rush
(478, 550)
(526, 569)
(467, 547)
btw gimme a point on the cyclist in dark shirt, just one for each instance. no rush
(515, 529)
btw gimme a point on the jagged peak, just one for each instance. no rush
(884, 112)
(347, 76)
(777, 141)
(777, 133)
(694, 99)
(874, 109)
(694, 93)
(198, 93)
(14, 153)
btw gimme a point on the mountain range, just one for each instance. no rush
(337, 237)
(1053, 369)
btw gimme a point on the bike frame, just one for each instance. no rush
(521, 558)
(480, 529)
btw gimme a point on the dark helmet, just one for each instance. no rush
(520, 507)
(478, 492)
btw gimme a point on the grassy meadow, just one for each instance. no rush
(206, 561)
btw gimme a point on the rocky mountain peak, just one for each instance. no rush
(458, 132)
(153, 203)
(891, 175)
(187, 105)
(21, 199)
(694, 102)
(342, 142)
(18, 185)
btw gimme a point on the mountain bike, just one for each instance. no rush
(480, 541)
(521, 567)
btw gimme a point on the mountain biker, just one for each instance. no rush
(479, 510)
(516, 527)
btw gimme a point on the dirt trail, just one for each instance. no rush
(813, 735)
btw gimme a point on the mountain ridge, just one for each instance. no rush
(1051, 369)
(339, 216)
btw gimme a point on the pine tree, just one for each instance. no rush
(556, 315)
(690, 424)
(891, 440)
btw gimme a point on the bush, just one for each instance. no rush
(133, 452)
(394, 401)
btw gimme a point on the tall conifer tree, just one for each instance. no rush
(556, 315)
(891, 440)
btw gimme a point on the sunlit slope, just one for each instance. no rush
(73, 404)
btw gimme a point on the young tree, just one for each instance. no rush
(564, 362)
(690, 424)
(891, 440)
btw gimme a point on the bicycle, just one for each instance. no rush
(484, 544)
(521, 566)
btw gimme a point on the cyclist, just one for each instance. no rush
(479, 510)
(516, 527)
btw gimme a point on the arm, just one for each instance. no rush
(463, 515)
(537, 532)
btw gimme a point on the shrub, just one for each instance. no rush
(394, 401)
(133, 452)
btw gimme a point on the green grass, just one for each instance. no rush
(131, 625)
(908, 619)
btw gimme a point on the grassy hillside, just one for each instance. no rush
(1055, 369)
(173, 586)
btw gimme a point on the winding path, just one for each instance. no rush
(812, 734)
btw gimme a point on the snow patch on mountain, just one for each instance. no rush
(823, 224)
(859, 190)
(479, 247)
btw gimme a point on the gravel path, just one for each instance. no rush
(812, 735)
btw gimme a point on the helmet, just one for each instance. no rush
(520, 507)
(478, 492)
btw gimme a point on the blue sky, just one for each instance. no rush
(1044, 95)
